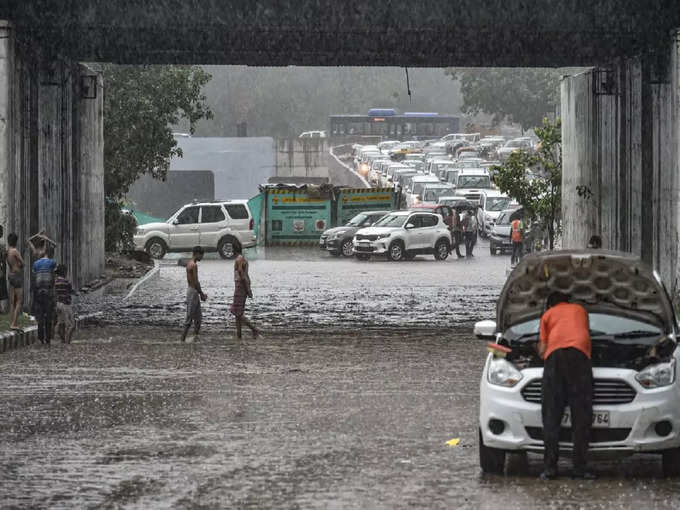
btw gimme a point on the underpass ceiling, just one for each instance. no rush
(551, 33)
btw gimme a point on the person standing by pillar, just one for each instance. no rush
(43, 281)
(517, 237)
(15, 278)
(565, 345)
(4, 296)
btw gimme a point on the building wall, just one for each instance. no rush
(620, 132)
(302, 157)
(51, 155)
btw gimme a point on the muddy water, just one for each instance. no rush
(366, 371)
(131, 418)
(303, 289)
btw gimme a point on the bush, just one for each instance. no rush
(120, 228)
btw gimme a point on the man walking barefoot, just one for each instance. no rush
(242, 291)
(194, 295)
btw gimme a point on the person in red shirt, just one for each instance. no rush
(565, 346)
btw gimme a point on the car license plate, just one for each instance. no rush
(600, 419)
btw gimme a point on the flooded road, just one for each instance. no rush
(322, 413)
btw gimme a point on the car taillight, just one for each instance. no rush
(252, 224)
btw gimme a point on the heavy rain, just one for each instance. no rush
(268, 255)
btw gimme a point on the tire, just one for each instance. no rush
(442, 249)
(226, 247)
(491, 460)
(396, 251)
(347, 248)
(156, 248)
(670, 462)
(363, 256)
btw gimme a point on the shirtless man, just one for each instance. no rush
(242, 291)
(15, 278)
(194, 292)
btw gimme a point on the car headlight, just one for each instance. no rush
(503, 373)
(335, 235)
(656, 376)
(383, 236)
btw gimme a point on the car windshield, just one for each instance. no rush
(474, 181)
(432, 194)
(357, 220)
(621, 329)
(391, 220)
(504, 218)
(497, 203)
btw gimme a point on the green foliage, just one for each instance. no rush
(141, 104)
(524, 96)
(535, 180)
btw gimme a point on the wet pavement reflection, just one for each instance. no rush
(322, 412)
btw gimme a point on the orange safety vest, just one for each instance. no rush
(517, 236)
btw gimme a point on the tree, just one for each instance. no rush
(524, 96)
(535, 180)
(141, 104)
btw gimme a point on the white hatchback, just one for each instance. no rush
(636, 398)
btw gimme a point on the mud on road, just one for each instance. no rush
(365, 373)
(132, 418)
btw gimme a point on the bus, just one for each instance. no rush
(387, 123)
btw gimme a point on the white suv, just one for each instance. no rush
(635, 357)
(404, 234)
(215, 226)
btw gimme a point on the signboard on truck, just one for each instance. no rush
(295, 217)
(352, 201)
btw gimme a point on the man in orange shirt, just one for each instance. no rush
(565, 346)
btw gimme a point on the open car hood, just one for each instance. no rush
(603, 281)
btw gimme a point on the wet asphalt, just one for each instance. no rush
(366, 371)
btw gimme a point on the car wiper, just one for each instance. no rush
(637, 334)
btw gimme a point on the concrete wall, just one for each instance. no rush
(302, 157)
(51, 155)
(620, 132)
(240, 165)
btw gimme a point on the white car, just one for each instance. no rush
(402, 235)
(215, 226)
(635, 356)
(470, 183)
(418, 182)
(491, 204)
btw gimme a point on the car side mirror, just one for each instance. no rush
(175, 222)
(485, 330)
(409, 226)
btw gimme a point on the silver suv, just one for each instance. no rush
(216, 226)
(404, 234)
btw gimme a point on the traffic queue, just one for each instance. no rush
(444, 186)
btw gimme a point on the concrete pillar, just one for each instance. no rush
(6, 79)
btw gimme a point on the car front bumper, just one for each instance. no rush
(501, 242)
(139, 242)
(329, 244)
(631, 428)
(378, 247)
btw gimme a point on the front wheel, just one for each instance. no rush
(442, 249)
(226, 247)
(670, 461)
(491, 460)
(347, 248)
(156, 248)
(396, 251)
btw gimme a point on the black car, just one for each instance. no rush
(338, 241)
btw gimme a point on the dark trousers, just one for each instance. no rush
(43, 308)
(567, 380)
(457, 240)
(469, 243)
(517, 249)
